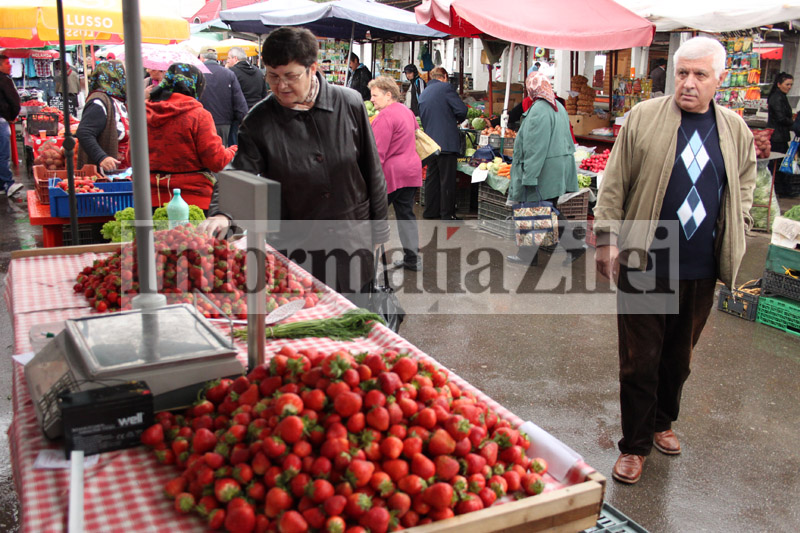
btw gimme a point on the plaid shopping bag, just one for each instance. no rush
(536, 224)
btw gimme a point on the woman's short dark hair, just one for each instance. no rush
(290, 44)
(411, 68)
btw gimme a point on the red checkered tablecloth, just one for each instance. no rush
(123, 491)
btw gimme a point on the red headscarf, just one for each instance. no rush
(538, 88)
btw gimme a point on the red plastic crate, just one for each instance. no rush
(41, 177)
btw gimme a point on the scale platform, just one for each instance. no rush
(174, 349)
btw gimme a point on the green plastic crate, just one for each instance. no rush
(612, 520)
(779, 257)
(780, 313)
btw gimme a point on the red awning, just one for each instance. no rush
(27, 52)
(770, 52)
(210, 11)
(562, 24)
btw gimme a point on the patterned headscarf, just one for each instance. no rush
(538, 87)
(108, 77)
(181, 78)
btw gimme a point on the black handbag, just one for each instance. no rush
(382, 298)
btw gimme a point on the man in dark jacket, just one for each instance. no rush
(223, 96)
(441, 110)
(9, 109)
(251, 79)
(659, 76)
(360, 77)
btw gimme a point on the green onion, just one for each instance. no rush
(351, 325)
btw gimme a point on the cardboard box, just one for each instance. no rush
(584, 124)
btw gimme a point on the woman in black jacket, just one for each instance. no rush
(779, 116)
(315, 139)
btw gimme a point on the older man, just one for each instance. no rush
(223, 96)
(682, 161)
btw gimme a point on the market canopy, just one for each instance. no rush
(561, 24)
(210, 10)
(34, 23)
(714, 16)
(336, 19)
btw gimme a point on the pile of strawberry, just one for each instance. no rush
(596, 162)
(336, 443)
(82, 186)
(187, 260)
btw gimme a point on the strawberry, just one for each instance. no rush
(184, 502)
(277, 500)
(489, 452)
(457, 426)
(235, 433)
(226, 489)
(389, 382)
(319, 490)
(376, 520)
(532, 483)
(359, 472)
(406, 368)
(315, 517)
(216, 519)
(498, 484)
(439, 495)
(274, 446)
(203, 441)
(174, 487)
(335, 505)
(446, 467)
(539, 466)
(213, 460)
(288, 404)
(474, 463)
(411, 484)
(412, 445)
(391, 447)
(347, 403)
(487, 496)
(382, 484)
(203, 407)
(290, 429)
(256, 491)
(249, 397)
(441, 443)
(399, 502)
(153, 435)
(292, 522)
(512, 480)
(243, 473)
(335, 524)
(358, 503)
(378, 418)
(422, 466)
(240, 517)
(469, 502)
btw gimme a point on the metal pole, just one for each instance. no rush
(349, 51)
(148, 297)
(69, 141)
(256, 298)
(509, 70)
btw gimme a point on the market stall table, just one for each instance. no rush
(52, 227)
(600, 142)
(123, 490)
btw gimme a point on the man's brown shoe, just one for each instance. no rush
(666, 442)
(628, 468)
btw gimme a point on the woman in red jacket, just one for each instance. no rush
(185, 149)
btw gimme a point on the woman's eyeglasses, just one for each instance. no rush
(289, 79)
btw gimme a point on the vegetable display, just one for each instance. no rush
(596, 162)
(351, 325)
(584, 181)
(763, 146)
(761, 197)
(113, 229)
(793, 213)
(187, 261)
(335, 442)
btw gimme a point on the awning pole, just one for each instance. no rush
(349, 51)
(509, 70)
(69, 142)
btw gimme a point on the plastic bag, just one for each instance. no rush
(786, 165)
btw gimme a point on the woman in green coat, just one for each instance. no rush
(544, 164)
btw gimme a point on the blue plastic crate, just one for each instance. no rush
(116, 196)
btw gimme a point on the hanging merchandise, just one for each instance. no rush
(740, 89)
(425, 55)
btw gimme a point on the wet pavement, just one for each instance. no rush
(738, 426)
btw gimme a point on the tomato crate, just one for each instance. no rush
(47, 122)
(738, 303)
(781, 285)
(115, 196)
(41, 177)
(780, 313)
(576, 208)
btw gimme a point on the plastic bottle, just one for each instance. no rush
(177, 210)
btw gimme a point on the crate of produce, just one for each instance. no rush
(41, 177)
(487, 194)
(488, 210)
(115, 196)
(47, 122)
(501, 228)
(782, 284)
(780, 258)
(742, 302)
(780, 313)
(613, 520)
(576, 208)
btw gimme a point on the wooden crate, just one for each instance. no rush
(572, 508)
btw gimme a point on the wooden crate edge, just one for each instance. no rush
(586, 496)
(67, 250)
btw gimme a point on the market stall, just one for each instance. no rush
(124, 489)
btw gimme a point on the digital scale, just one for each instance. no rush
(173, 348)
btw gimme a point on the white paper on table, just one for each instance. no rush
(479, 175)
(23, 358)
(51, 459)
(560, 457)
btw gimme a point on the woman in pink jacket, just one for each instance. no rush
(394, 130)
